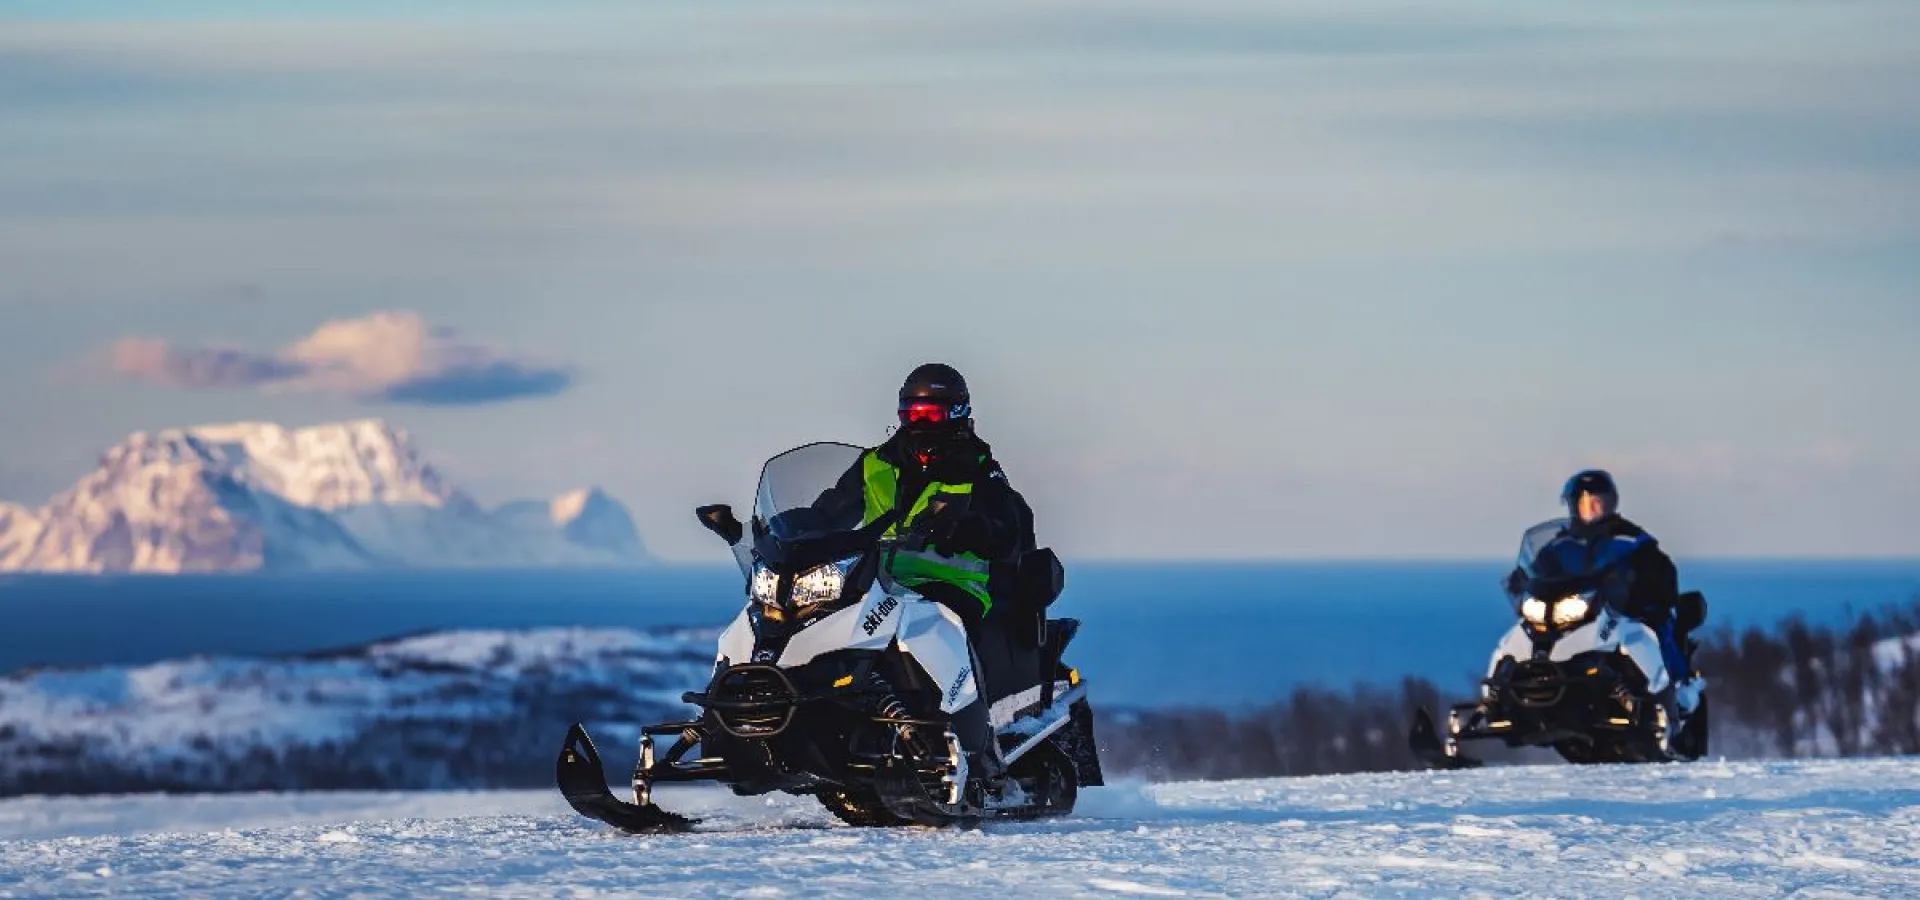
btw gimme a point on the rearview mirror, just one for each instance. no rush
(719, 519)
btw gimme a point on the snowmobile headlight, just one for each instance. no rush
(764, 586)
(1534, 610)
(821, 583)
(1571, 610)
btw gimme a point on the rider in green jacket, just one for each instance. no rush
(935, 452)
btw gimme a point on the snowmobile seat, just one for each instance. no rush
(1007, 653)
(1015, 642)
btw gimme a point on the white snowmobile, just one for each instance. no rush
(1575, 673)
(839, 682)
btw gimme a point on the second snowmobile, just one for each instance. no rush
(1575, 673)
(838, 681)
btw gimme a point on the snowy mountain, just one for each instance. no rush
(1827, 829)
(586, 518)
(257, 496)
(448, 709)
(19, 531)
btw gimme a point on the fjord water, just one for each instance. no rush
(1155, 634)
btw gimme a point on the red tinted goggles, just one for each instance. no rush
(927, 413)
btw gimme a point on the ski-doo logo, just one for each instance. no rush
(953, 693)
(1606, 627)
(872, 622)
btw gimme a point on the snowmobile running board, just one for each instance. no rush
(584, 782)
(1054, 718)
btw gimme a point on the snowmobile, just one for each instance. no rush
(838, 681)
(1575, 673)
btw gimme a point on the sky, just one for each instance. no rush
(1248, 280)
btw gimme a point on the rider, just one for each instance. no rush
(1593, 503)
(973, 540)
(935, 452)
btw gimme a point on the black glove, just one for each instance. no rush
(965, 533)
(951, 530)
(1516, 581)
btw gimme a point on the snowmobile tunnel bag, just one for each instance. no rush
(1039, 578)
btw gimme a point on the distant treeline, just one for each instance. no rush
(1800, 690)
(1791, 690)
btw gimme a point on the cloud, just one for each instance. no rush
(389, 357)
(1075, 134)
(157, 361)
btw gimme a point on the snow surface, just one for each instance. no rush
(255, 495)
(1802, 829)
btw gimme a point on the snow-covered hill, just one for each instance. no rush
(257, 496)
(449, 709)
(1826, 829)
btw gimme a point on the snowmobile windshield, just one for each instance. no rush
(799, 520)
(791, 487)
(1548, 551)
(1533, 546)
(1558, 563)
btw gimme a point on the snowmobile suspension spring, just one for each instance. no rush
(891, 706)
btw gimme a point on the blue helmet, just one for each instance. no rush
(1591, 481)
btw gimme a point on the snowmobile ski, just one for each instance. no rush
(584, 782)
(1429, 747)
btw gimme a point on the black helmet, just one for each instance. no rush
(934, 395)
(935, 381)
(1592, 481)
(935, 410)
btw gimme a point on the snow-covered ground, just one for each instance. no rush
(441, 710)
(1800, 829)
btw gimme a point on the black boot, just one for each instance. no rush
(979, 742)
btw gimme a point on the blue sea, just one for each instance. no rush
(1153, 634)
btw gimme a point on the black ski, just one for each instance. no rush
(584, 782)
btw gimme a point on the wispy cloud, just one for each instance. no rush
(391, 357)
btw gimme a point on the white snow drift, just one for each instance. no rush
(257, 496)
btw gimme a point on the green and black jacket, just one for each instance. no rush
(997, 529)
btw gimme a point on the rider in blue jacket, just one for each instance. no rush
(1593, 515)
